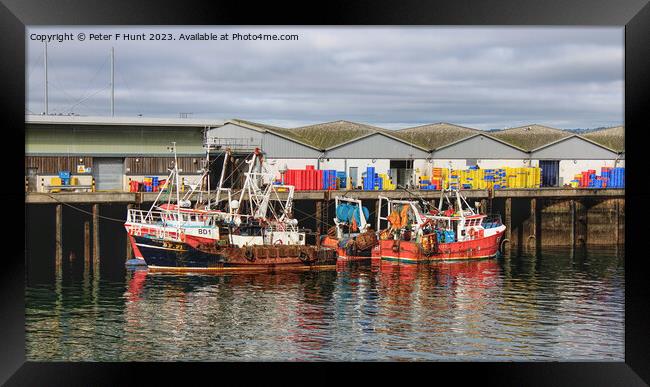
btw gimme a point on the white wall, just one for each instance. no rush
(420, 168)
(450, 163)
(292, 163)
(494, 164)
(337, 164)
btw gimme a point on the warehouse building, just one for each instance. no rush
(458, 147)
(353, 147)
(562, 154)
(116, 150)
(110, 150)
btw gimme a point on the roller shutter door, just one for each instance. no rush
(108, 173)
(550, 172)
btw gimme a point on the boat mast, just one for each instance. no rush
(226, 157)
(207, 178)
(112, 82)
(247, 183)
(47, 111)
(178, 195)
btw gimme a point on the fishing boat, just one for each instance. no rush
(351, 235)
(416, 233)
(256, 232)
(173, 219)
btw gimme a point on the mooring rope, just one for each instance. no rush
(86, 212)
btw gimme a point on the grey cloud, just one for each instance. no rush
(392, 77)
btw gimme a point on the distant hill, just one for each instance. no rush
(583, 131)
(576, 130)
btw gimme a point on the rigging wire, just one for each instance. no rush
(59, 86)
(31, 68)
(84, 97)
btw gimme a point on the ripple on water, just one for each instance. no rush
(547, 307)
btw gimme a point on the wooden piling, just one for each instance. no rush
(86, 244)
(319, 217)
(95, 235)
(484, 206)
(531, 242)
(580, 223)
(508, 219)
(618, 219)
(572, 208)
(58, 254)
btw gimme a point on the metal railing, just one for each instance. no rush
(187, 217)
(281, 227)
(234, 144)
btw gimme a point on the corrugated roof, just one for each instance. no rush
(329, 134)
(613, 138)
(530, 137)
(282, 132)
(433, 136)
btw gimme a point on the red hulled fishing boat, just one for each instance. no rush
(416, 233)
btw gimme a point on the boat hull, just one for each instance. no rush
(346, 254)
(410, 251)
(174, 256)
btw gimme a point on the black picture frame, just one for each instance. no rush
(633, 14)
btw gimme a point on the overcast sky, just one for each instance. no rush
(391, 77)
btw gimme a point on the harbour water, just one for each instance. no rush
(553, 305)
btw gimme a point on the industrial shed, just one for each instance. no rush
(562, 154)
(571, 155)
(482, 150)
(114, 150)
(459, 147)
(613, 138)
(277, 143)
(352, 147)
(282, 148)
(529, 137)
(110, 150)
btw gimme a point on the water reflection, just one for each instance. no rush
(557, 305)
